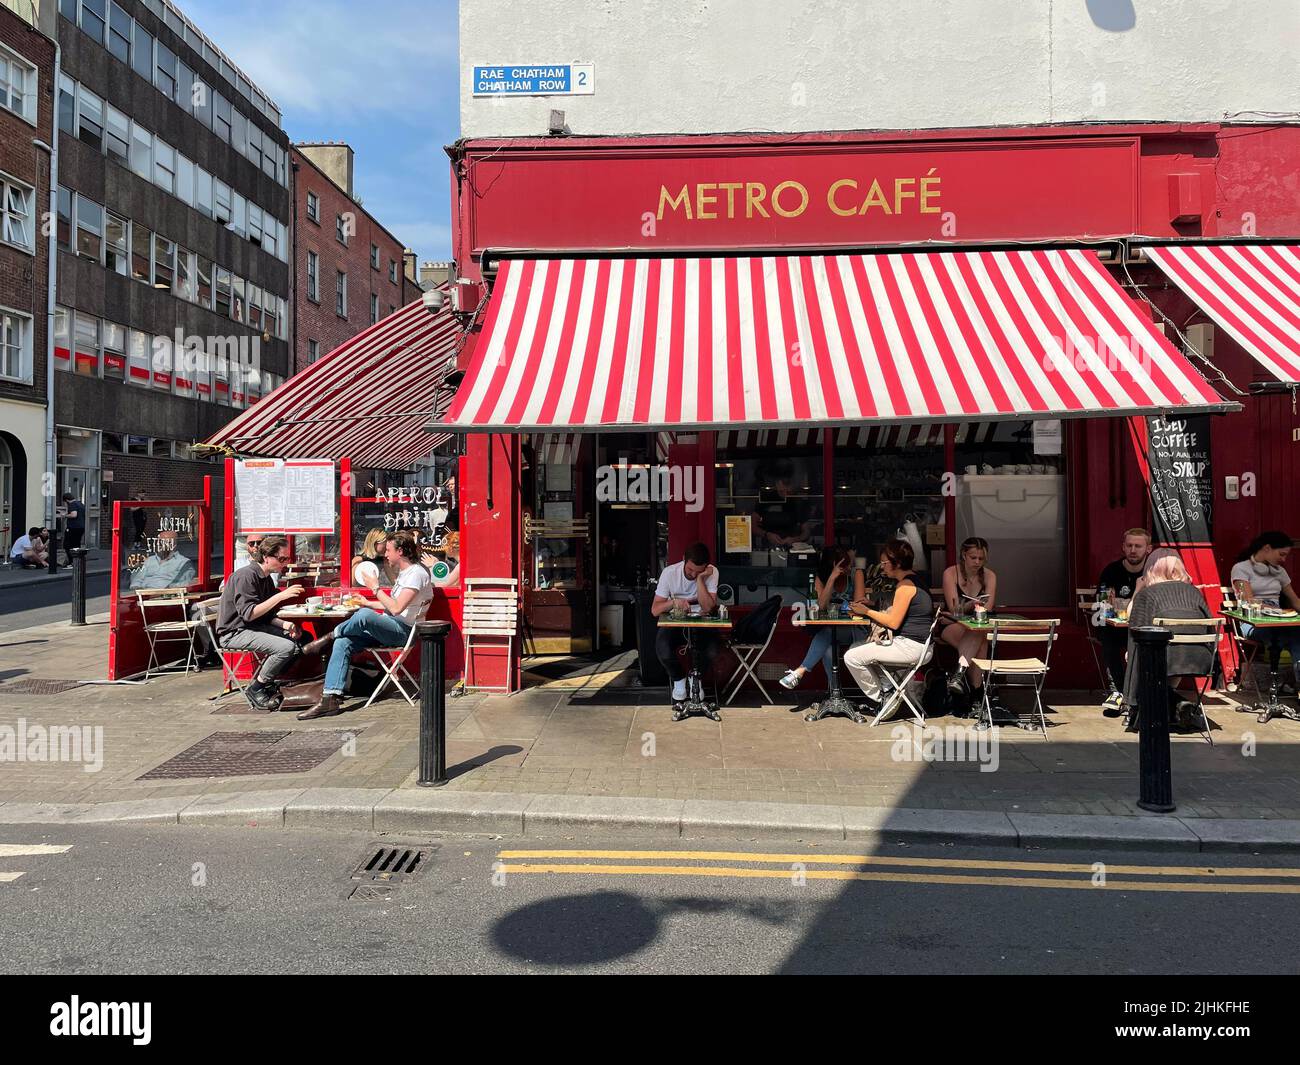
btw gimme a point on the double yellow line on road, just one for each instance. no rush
(876, 868)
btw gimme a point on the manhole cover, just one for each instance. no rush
(35, 686)
(385, 867)
(249, 754)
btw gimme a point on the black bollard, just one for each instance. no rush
(433, 702)
(78, 585)
(1155, 775)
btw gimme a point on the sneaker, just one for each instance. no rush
(1113, 705)
(791, 680)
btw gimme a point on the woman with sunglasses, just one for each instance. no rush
(968, 585)
(1260, 577)
(833, 584)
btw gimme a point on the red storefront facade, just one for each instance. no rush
(1100, 187)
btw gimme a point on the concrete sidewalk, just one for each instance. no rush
(99, 563)
(607, 757)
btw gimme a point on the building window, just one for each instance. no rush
(141, 244)
(85, 351)
(137, 358)
(65, 218)
(117, 135)
(374, 309)
(67, 105)
(341, 295)
(254, 224)
(93, 19)
(165, 71)
(164, 165)
(203, 192)
(374, 256)
(185, 281)
(116, 248)
(90, 229)
(62, 339)
(90, 119)
(17, 218)
(221, 116)
(17, 85)
(313, 207)
(205, 282)
(392, 270)
(119, 33)
(254, 306)
(313, 277)
(142, 52)
(15, 346)
(141, 151)
(223, 292)
(221, 202)
(252, 148)
(114, 351)
(313, 351)
(341, 230)
(238, 299)
(164, 262)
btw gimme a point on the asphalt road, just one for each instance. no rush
(241, 900)
(49, 601)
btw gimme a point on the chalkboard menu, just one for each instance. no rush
(1182, 489)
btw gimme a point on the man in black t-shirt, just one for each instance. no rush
(1120, 579)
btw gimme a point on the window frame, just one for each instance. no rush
(28, 90)
(26, 343)
(23, 220)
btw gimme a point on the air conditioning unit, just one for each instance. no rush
(1201, 337)
(465, 296)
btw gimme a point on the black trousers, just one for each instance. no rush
(72, 538)
(704, 650)
(1114, 647)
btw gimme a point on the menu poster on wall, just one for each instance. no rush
(1182, 486)
(1047, 437)
(285, 495)
(739, 533)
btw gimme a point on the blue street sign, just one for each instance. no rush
(518, 79)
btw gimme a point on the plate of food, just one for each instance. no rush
(1278, 612)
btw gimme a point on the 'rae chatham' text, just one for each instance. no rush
(846, 197)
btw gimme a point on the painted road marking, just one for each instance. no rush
(20, 850)
(879, 859)
(797, 868)
(26, 850)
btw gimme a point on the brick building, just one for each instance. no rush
(173, 234)
(350, 270)
(26, 124)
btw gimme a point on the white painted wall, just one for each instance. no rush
(702, 66)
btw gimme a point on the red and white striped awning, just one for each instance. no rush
(370, 399)
(1251, 290)
(816, 340)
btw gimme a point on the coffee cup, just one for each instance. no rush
(972, 470)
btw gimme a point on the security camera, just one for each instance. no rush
(434, 300)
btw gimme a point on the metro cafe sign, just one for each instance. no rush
(789, 199)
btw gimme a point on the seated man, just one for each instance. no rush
(682, 585)
(1120, 579)
(247, 621)
(166, 567)
(30, 551)
(404, 604)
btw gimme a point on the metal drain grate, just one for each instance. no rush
(35, 686)
(247, 754)
(384, 868)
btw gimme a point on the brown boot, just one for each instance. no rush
(328, 706)
(319, 646)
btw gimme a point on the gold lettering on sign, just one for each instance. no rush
(903, 192)
(755, 191)
(731, 187)
(682, 200)
(926, 194)
(776, 198)
(875, 198)
(847, 182)
(703, 203)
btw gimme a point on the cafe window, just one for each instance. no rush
(90, 229)
(770, 484)
(1010, 484)
(116, 249)
(141, 246)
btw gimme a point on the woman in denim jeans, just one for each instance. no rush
(832, 587)
(404, 604)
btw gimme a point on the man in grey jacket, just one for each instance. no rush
(247, 621)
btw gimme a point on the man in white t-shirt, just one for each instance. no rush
(29, 550)
(681, 586)
(404, 604)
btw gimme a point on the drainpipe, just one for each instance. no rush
(51, 464)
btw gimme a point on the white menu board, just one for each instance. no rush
(285, 495)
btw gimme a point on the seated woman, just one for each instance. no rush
(1260, 577)
(443, 562)
(371, 563)
(1168, 593)
(909, 618)
(832, 586)
(968, 584)
(404, 605)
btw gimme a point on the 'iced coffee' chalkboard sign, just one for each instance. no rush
(1182, 491)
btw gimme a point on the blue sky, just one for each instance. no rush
(381, 76)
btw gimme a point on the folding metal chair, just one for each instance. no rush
(898, 680)
(231, 662)
(747, 648)
(1206, 631)
(179, 626)
(1085, 600)
(392, 663)
(1017, 672)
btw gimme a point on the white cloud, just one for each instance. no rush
(340, 59)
